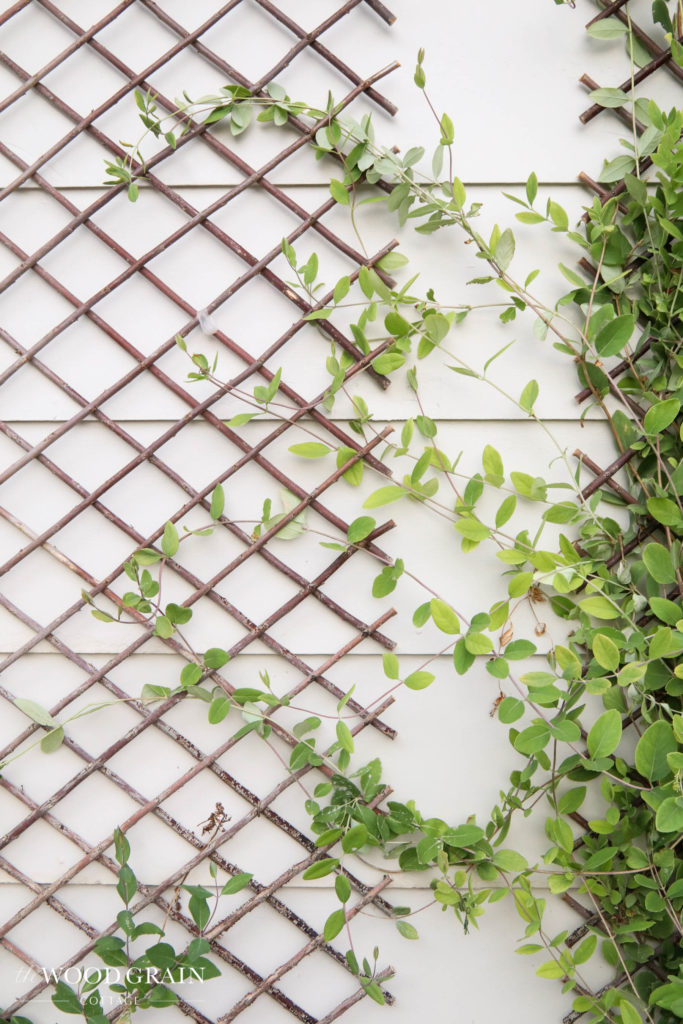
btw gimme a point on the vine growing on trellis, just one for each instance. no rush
(608, 562)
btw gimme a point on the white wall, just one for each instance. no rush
(508, 76)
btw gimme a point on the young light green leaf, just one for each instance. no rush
(529, 396)
(310, 450)
(217, 502)
(605, 734)
(418, 680)
(169, 541)
(338, 192)
(384, 496)
(344, 737)
(444, 617)
(390, 665)
(606, 652)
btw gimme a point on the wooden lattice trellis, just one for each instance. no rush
(36, 173)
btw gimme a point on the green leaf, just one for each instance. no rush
(121, 846)
(241, 418)
(665, 511)
(606, 652)
(65, 999)
(344, 737)
(571, 800)
(510, 710)
(532, 187)
(342, 888)
(321, 868)
(529, 217)
(388, 362)
(477, 643)
(190, 675)
(529, 396)
(519, 584)
(614, 170)
(163, 627)
(407, 930)
(390, 665)
(338, 192)
(127, 884)
(52, 741)
(310, 450)
(605, 734)
(607, 28)
(670, 815)
(493, 466)
(354, 474)
(614, 335)
(217, 502)
(506, 510)
(472, 529)
(334, 924)
(462, 659)
(360, 528)
(444, 617)
(393, 261)
(341, 289)
(629, 1014)
(463, 836)
(199, 911)
(418, 680)
(519, 649)
(178, 614)
(599, 607)
(533, 739)
(551, 969)
(657, 741)
(609, 97)
(538, 680)
(216, 657)
(36, 712)
(658, 563)
(558, 216)
(384, 496)
(667, 611)
(459, 194)
(354, 839)
(658, 417)
(169, 541)
(219, 709)
(162, 996)
(146, 556)
(372, 989)
(396, 325)
(510, 860)
(505, 249)
(236, 884)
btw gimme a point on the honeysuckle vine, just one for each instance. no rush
(600, 723)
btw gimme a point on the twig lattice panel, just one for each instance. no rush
(89, 497)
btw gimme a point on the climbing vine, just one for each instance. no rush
(598, 720)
